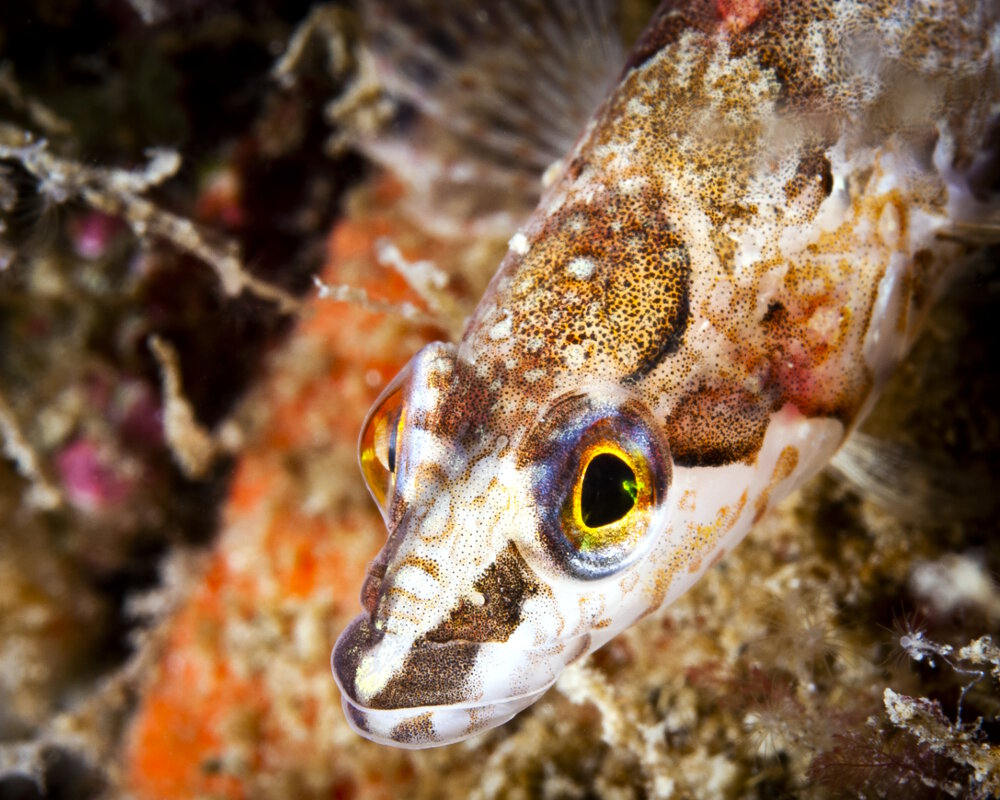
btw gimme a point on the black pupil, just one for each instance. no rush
(393, 432)
(608, 491)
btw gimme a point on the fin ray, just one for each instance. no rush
(488, 98)
(911, 484)
(975, 234)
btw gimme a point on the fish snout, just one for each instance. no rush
(418, 693)
(415, 694)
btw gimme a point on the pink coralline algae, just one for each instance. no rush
(93, 477)
(93, 234)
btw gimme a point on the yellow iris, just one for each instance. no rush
(381, 439)
(610, 492)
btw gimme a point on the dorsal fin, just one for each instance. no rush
(488, 95)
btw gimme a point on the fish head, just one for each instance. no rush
(512, 536)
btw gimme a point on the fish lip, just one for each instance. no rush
(447, 713)
(389, 726)
(527, 698)
(449, 722)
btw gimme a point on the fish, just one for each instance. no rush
(724, 266)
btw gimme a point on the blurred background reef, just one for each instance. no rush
(183, 530)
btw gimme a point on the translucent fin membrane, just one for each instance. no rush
(912, 484)
(490, 95)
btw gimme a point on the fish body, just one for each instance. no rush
(718, 278)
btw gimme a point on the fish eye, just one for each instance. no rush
(610, 492)
(602, 474)
(378, 448)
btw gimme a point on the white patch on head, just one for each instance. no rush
(501, 330)
(519, 244)
(379, 664)
(615, 156)
(476, 598)
(825, 322)
(630, 186)
(574, 355)
(581, 268)
(637, 108)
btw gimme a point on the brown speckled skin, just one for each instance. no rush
(707, 106)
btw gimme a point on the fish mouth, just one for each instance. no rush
(425, 694)
(421, 727)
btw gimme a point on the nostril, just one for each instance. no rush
(372, 586)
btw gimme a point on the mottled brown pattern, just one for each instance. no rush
(612, 279)
(504, 587)
(463, 413)
(729, 115)
(671, 19)
(418, 729)
(786, 58)
(717, 425)
(433, 674)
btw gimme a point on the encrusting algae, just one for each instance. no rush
(843, 649)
